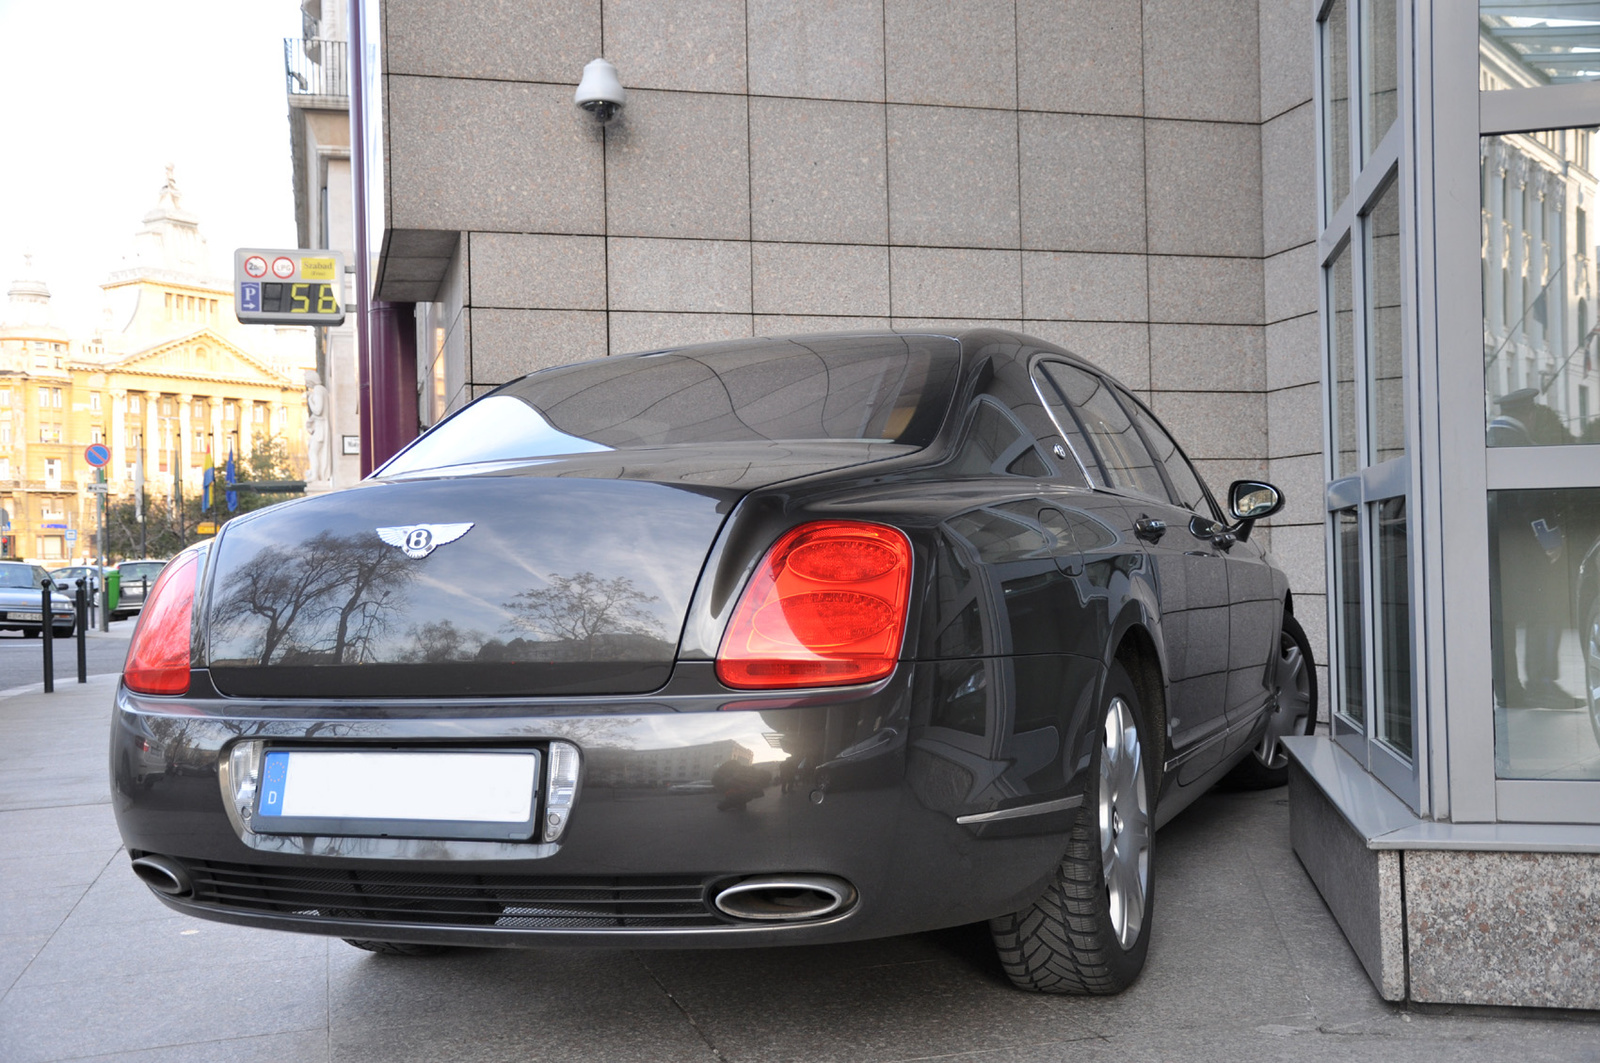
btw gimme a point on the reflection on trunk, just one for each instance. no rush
(590, 616)
(325, 600)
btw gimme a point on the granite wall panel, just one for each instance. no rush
(1503, 928)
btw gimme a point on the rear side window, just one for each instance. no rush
(884, 389)
(995, 443)
(1187, 488)
(1121, 452)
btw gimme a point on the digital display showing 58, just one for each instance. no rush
(299, 299)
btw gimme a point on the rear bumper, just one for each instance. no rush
(852, 785)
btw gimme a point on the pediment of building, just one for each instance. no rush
(203, 355)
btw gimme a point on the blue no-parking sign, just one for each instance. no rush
(97, 454)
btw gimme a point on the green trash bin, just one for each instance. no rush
(113, 591)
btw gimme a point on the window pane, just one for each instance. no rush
(1541, 360)
(1544, 612)
(1347, 602)
(1342, 345)
(1122, 454)
(1187, 486)
(1379, 83)
(1393, 724)
(1336, 105)
(1385, 386)
(1527, 43)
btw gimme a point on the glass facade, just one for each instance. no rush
(1371, 553)
(1540, 290)
(1385, 349)
(1528, 43)
(1380, 87)
(1544, 585)
(1342, 346)
(1335, 32)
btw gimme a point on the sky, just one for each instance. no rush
(101, 95)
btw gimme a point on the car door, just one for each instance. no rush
(1191, 573)
(1253, 602)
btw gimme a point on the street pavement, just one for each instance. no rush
(1245, 964)
(22, 658)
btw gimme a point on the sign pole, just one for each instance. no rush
(98, 455)
(105, 592)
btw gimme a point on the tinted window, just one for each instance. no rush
(995, 443)
(886, 389)
(1187, 488)
(1116, 443)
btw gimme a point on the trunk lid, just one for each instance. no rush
(462, 587)
(574, 577)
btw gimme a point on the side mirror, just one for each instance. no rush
(1250, 501)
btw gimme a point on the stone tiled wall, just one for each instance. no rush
(1131, 180)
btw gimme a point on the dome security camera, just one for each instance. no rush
(600, 93)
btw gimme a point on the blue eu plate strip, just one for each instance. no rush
(273, 775)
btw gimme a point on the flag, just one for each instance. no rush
(233, 496)
(207, 479)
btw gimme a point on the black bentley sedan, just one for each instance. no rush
(765, 642)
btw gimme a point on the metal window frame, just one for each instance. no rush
(1347, 226)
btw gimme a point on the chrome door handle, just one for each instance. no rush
(1150, 529)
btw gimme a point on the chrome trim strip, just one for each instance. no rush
(1060, 805)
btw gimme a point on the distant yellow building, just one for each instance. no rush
(169, 371)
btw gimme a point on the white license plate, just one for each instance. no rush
(426, 787)
(23, 616)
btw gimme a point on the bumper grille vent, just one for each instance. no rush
(511, 901)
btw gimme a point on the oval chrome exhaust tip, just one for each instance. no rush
(785, 898)
(163, 876)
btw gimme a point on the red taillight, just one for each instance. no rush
(826, 607)
(158, 659)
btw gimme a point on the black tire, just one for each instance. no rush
(1079, 937)
(63, 632)
(397, 948)
(31, 632)
(1267, 765)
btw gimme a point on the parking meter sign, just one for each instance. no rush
(97, 454)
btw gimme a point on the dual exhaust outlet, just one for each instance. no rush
(763, 899)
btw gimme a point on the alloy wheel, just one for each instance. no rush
(1124, 823)
(1293, 677)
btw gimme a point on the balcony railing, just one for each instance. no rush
(316, 66)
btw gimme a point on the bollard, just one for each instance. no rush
(83, 635)
(47, 631)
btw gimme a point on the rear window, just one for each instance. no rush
(884, 389)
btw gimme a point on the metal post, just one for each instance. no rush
(47, 631)
(82, 603)
(105, 612)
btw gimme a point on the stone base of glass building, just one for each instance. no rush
(1442, 913)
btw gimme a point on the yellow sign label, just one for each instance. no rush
(205, 527)
(316, 269)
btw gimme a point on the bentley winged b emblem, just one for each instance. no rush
(419, 540)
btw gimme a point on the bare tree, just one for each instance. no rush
(579, 609)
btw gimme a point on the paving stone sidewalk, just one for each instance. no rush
(1245, 964)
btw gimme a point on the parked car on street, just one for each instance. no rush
(135, 578)
(951, 618)
(66, 578)
(22, 601)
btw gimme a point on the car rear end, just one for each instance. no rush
(626, 696)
